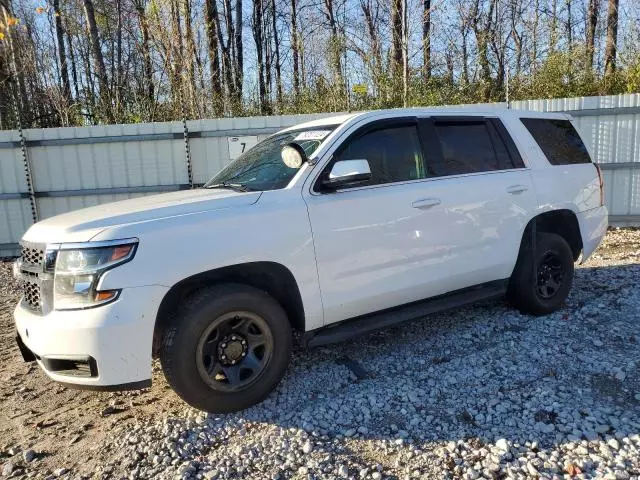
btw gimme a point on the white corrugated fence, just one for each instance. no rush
(77, 167)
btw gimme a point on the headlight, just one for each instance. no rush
(78, 268)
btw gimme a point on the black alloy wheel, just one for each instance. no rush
(550, 275)
(234, 350)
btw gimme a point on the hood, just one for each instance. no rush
(82, 225)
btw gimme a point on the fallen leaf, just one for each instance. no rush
(573, 470)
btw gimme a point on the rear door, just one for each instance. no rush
(485, 191)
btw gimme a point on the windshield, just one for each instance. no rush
(262, 168)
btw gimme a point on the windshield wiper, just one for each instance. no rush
(238, 187)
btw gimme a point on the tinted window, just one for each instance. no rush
(558, 140)
(466, 148)
(393, 153)
(504, 141)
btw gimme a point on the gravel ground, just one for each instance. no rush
(478, 392)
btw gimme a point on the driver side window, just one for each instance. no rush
(394, 154)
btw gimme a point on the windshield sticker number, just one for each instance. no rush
(312, 135)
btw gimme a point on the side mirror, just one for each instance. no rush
(348, 173)
(293, 155)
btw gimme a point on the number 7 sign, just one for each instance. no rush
(239, 145)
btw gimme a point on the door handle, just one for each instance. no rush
(425, 203)
(516, 189)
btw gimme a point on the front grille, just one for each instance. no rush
(32, 295)
(36, 283)
(32, 256)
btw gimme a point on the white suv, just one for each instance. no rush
(330, 228)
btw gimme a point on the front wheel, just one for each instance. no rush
(227, 348)
(541, 281)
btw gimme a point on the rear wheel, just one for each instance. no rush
(227, 349)
(543, 275)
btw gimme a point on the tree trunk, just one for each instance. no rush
(592, 23)
(239, 58)
(190, 58)
(534, 34)
(396, 38)
(553, 37)
(62, 56)
(119, 83)
(227, 67)
(294, 48)
(266, 44)
(465, 56)
(74, 70)
(258, 10)
(335, 47)
(229, 59)
(211, 16)
(482, 31)
(426, 38)
(376, 53)
(177, 57)
(569, 26)
(147, 69)
(276, 42)
(612, 38)
(98, 59)
(517, 34)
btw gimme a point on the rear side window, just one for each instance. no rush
(558, 140)
(468, 147)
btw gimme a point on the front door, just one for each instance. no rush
(382, 243)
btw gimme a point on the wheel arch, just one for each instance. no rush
(271, 277)
(563, 222)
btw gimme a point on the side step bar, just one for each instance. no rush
(386, 318)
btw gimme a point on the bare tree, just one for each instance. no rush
(295, 48)
(396, 38)
(335, 42)
(276, 46)
(98, 58)
(121, 60)
(257, 29)
(612, 38)
(239, 55)
(482, 24)
(62, 56)
(592, 23)
(147, 69)
(212, 23)
(426, 38)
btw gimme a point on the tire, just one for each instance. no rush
(222, 380)
(552, 258)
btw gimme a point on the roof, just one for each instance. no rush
(455, 110)
(323, 122)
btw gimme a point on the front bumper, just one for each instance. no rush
(113, 340)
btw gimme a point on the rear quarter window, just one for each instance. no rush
(558, 139)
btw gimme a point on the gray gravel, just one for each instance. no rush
(481, 392)
(7, 286)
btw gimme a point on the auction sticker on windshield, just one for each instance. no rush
(312, 135)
